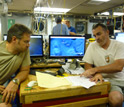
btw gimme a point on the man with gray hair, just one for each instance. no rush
(71, 29)
(104, 58)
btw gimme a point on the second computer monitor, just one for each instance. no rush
(5, 37)
(119, 36)
(36, 46)
(66, 46)
(87, 36)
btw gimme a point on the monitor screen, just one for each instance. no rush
(36, 45)
(66, 46)
(5, 37)
(111, 29)
(87, 36)
(120, 36)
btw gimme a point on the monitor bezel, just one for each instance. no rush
(38, 56)
(66, 57)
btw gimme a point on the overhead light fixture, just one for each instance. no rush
(50, 10)
(97, 2)
(101, 0)
(114, 13)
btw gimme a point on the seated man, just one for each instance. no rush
(14, 56)
(108, 58)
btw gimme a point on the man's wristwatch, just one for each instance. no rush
(16, 81)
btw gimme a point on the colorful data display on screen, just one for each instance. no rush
(66, 46)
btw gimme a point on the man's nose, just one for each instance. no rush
(96, 37)
(28, 45)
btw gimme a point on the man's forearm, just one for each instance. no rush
(72, 33)
(87, 66)
(117, 66)
(23, 74)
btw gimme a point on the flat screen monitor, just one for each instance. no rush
(119, 36)
(87, 36)
(111, 29)
(5, 37)
(66, 46)
(36, 45)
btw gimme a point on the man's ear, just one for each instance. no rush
(14, 38)
(108, 32)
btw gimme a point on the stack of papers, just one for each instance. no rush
(49, 81)
(80, 81)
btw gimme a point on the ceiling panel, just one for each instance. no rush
(21, 5)
(83, 7)
(90, 9)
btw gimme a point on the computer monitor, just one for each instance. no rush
(5, 37)
(36, 46)
(87, 36)
(119, 36)
(66, 46)
(111, 29)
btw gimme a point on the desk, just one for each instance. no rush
(67, 96)
(43, 65)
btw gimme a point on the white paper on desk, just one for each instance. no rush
(49, 81)
(80, 81)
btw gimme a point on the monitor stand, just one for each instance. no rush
(62, 61)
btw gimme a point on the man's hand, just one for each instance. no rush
(9, 93)
(97, 78)
(2, 88)
(89, 73)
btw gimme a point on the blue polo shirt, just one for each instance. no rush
(72, 29)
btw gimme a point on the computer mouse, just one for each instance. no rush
(32, 83)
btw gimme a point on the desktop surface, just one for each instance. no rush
(94, 96)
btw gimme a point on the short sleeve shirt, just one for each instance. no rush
(99, 56)
(10, 63)
(72, 29)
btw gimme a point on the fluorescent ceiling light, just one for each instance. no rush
(101, 0)
(118, 14)
(105, 13)
(50, 10)
(50, 13)
(115, 13)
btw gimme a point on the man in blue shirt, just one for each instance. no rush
(71, 29)
(60, 29)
